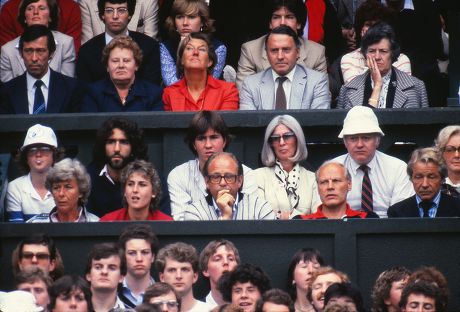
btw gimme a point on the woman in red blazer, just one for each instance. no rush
(198, 90)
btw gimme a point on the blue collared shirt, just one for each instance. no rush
(434, 206)
(234, 209)
(136, 300)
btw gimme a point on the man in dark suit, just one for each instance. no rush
(426, 174)
(116, 15)
(40, 89)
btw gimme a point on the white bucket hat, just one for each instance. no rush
(39, 134)
(360, 119)
(18, 301)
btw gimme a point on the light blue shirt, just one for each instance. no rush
(434, 206)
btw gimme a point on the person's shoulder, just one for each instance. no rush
(311, 45)
(10, 46)
(114, 215)
(61, 37)
(254, 43)
(143, 39)
(18, 181)
(341, 159)
(311, 73)
(182, 169)
(158, 215)
(40, 218)
(88, 46)
(391, 160)
(147, 86)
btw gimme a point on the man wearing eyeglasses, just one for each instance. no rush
(378, 180)
(426, 174)
(39, 251)
(39, 89)
(116, 15)
(224, 178)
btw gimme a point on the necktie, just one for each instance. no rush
(366, 193)
(39, 99)
(280, 101)
(426, 205)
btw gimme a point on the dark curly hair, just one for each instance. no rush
(134, 135)
(243, 273)
(65, 286)
(424, 288)
(371, 12)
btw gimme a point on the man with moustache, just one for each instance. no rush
(320, 281)
(118, 142)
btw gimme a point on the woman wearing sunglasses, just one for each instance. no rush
(289, 188)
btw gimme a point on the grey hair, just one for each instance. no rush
(425, 155)
(331, 162)
(268, 156)
(150, 173)
(444, 136)
(68, 169)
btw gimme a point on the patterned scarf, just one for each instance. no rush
(290, 181)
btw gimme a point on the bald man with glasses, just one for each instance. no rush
(224, 179)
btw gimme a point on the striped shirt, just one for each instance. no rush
(186, 185)
(249, 207)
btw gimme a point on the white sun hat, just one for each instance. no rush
(39, 134)
(360, 119)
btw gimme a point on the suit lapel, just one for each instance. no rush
(413, 208)
(402, 85)
(55, 94)
(357, 84)
(267, 93)
(297, 88)
(22, 100)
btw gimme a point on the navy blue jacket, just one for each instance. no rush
(64, 96)
(103, 97)
(448, 207)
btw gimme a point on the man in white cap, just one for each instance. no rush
(378, 180)
(28, 196)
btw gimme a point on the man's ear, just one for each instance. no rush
(205, 273)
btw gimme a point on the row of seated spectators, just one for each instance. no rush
(118, 277)
(114, 19)
(122, 185)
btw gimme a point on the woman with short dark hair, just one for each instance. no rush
(383, 86)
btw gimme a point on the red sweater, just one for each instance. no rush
(69, 21)
(122, 215)
(349, 213)
(218, 95)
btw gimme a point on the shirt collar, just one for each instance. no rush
(105, 172)
(289, 75)
(435, 199)
(348, 212)
(31, 80)
(355, 166)
(234, 209)
(109, 38)
(449, 181)
(81, 215)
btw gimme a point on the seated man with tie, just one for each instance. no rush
(334, 183)
(378, 180)
(285, 84)
(426, 174)
(40, 89)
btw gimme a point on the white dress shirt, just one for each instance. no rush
(31, 89)
(390, 182)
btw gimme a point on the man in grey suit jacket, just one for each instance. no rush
(303, 88)
(292, 13)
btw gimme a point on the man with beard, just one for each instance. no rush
(118, 142)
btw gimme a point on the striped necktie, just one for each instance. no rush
(39, 99)
(366, 193)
